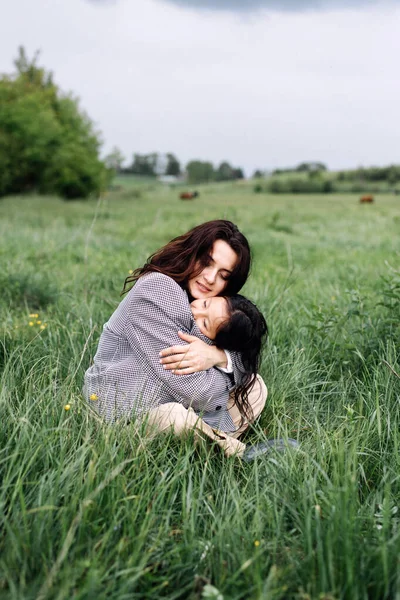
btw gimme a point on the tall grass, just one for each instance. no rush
(93, 511)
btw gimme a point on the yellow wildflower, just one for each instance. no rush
(43, 326)
(34, 315)
(93, 397)
(67, 407)
(257, 543)
(38, 322)
(130, 271)
(30, 323)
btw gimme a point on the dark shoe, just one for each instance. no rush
(279, 445)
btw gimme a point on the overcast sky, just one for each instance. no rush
(260, 83)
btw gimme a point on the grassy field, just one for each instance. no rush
(93, 511)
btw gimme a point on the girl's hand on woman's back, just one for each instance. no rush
(194, 356)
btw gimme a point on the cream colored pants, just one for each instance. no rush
(181, 420)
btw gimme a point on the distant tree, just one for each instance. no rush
(238, 173)
(224, 172)
(284, 170)
(173, 165)
(199, 171)
(153, 164)
(115, 160)
(304, 167)
(47, 143)
(393, 175)
(144, 164)
(258, 174)
(311, 167)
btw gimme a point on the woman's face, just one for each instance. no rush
(212, 280)
(209, 314)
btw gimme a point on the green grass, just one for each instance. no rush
(93, 511)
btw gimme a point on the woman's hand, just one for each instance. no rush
(194, 356)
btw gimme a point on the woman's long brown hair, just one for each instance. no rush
(186, 256)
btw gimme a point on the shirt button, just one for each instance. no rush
(218, 407)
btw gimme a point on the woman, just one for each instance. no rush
(187, 388)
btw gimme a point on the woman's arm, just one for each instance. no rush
(158, 309)
(197, 356)
(193, 356)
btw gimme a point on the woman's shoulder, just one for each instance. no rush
(155, 276)
(156, 284)
(158, 292)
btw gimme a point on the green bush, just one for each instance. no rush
(300, 185)
(278, 186)
(47, 144)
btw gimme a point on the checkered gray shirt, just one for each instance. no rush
(127, 376)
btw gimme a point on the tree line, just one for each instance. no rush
(159, 164)
(314, 177)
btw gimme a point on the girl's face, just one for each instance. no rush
(209, 314)
(212, 280)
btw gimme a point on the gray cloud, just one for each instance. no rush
(275, 5)
(248, 6)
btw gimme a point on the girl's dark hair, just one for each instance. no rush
(187, 255)
(244, 332)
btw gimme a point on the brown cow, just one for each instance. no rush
(366, 199)
(188, 195)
